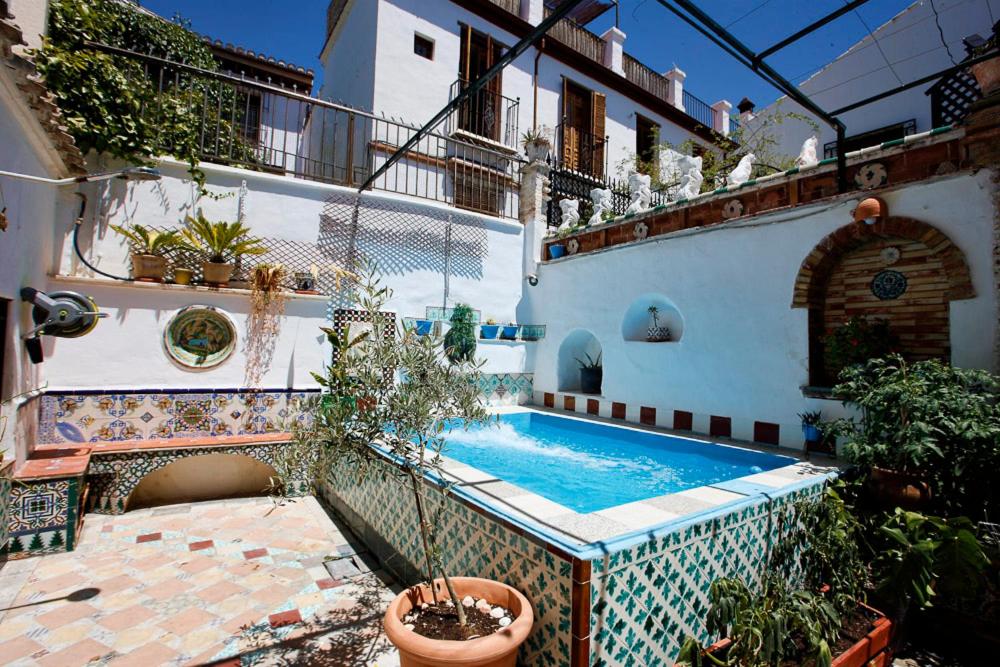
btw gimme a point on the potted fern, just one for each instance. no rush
(591, 374)
(220, 242)
(148, 247)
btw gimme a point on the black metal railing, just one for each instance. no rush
(254, 125)
(487, 114)
(580, 151)
(567, 184)
(872, 137)
(698, 109)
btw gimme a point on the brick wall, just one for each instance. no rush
(919, 317)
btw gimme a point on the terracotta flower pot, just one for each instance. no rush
(496, 650)
(894, 488)
(149, 267)
(215, 273)
(183, 276)
(988, 76)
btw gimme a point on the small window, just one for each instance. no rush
(647, 136)
(423, 47)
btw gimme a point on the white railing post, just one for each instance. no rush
(614, 50)
(533, 11)
(720, 117)
(675, 87)
(533, 211)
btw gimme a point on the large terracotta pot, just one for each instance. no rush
(899, 489)
(496, 650)
(149, 267)
(988, 76)
(215, 273)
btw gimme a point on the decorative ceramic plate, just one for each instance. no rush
(199, 337)
(888, 285)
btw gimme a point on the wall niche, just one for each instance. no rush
(644, 324)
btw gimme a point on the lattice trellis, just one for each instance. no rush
(952, 96)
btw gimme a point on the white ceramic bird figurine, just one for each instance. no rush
(741, 174)
(807, 156)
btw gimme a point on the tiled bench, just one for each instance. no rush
(60, 481)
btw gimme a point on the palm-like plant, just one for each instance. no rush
(221, 239)
(148, 241)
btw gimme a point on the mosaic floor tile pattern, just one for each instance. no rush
(239, 581)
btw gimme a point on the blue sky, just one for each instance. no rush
(655, 36)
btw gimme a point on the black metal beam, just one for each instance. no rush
(475, 86)
(918, 82)
(812, 27)
(747, 57)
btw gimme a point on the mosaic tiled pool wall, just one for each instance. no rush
(381, 513)
(42, 516)
(646, 599)
(507, 388)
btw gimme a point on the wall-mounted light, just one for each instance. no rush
(871, 210)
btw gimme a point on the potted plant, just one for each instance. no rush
(536, 144)
(405, 424)
(219, 242)
(489, 330)
(148, 246)
(810, 425)
(305, 281)
(591, 374)
(509, 331)
(423, 327)
(183, 275)
(460, 341)
(655, 333)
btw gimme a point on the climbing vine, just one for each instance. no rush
(114, 104)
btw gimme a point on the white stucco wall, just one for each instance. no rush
(348, 57)
(744, 350)
(412, 88)
(32, 17)
(912, 44)
(125, 350)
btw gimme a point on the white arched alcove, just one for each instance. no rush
(637, 320)
(578, 344)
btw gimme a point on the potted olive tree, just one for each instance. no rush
(390, 400)
(148, 247)
(220, 242)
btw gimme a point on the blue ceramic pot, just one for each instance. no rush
(811, 433)
(489, 331)
(509, 332)
(424, 327)
(557, 250)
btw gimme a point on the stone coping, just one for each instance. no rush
(614, 524)
(71, 460)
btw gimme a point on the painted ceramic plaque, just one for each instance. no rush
(200, 337)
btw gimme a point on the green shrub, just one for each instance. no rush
(856, 342)
(460, 341)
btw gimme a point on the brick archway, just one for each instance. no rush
(810, 283)
(835, 283)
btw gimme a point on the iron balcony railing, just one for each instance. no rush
(487, 114)
(580, 151)
(254, 125)
(698, 109)
(569, 184)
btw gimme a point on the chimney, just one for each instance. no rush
(720, 117)
(745, 107)
(675, 87)
(532, 11)
(614, 51)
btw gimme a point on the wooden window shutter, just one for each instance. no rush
(464, 56)
(567, 138)
(598, 106)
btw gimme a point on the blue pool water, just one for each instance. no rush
(589, 466)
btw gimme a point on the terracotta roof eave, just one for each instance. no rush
(38, 98)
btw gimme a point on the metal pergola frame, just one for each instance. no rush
(688, 12)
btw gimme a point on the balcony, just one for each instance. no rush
(487, 117)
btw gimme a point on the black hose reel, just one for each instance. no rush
(62, 314)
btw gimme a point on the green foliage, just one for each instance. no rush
(855, 342)
(221, 240)
(110, 103)
(811, 418)
(460, 341)
(589, 362)
(392, 395)
(931, 419)
(148, 241)
(926, 556)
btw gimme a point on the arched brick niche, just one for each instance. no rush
(835, 282)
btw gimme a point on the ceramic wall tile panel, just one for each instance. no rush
(42, 517)
(113, 477)
(109, 417)
(5, 484)
(647, 599)
(507, 388)
(381, 511)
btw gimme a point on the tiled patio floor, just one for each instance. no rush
(215, 583)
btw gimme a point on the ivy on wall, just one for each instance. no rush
(113, 104)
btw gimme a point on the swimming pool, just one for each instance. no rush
(589, 466)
